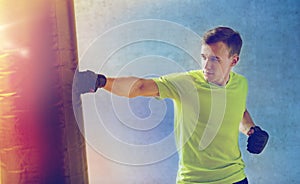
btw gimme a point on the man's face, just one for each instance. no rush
(217, 63)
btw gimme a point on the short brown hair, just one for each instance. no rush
(226, 35)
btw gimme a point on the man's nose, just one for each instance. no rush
(207, 64)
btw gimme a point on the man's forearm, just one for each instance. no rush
(246, 123)
(88, 82)
(123, 86)
(131, 87)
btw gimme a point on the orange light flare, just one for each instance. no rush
(17, 22)
(20, 43)
(23, 52)
(7, 47)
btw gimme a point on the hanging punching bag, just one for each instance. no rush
(40, 141)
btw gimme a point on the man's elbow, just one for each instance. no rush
(136, 89)
(144, 87)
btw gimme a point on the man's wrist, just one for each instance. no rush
(251, 130)
(101, 81)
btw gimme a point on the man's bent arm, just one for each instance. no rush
(246, 123)
(131, 87)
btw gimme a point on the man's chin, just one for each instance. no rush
(208, 78)
(209, 81)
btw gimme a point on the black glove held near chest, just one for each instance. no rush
(257, 141)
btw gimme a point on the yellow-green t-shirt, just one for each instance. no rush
(206, 126)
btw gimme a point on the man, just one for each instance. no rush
(208, 144)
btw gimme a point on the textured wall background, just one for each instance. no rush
(269, 60)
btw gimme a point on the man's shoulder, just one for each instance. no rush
(238, 81)
(237, 76)
(183, 78)
(191, 73)
(196, 74)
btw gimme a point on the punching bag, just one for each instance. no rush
(40, 141)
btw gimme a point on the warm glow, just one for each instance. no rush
(5, 26)
(7, 47)
(23, 52)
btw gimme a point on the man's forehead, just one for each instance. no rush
(216, 49)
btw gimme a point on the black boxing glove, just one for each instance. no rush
(88, 82)
(257, 140)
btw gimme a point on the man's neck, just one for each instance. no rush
(223, 82)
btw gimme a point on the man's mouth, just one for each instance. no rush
(208, 72)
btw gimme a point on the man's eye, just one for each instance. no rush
(214, 59)
(211, 58)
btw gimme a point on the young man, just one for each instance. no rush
(207, 117)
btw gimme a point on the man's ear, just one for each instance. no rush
(235, 60)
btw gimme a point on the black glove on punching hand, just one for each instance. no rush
(88, 81)
(257, 140)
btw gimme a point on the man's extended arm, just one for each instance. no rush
(88, 81)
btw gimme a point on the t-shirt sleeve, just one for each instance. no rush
(166, 87)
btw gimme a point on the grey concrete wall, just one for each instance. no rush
(269, 59)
